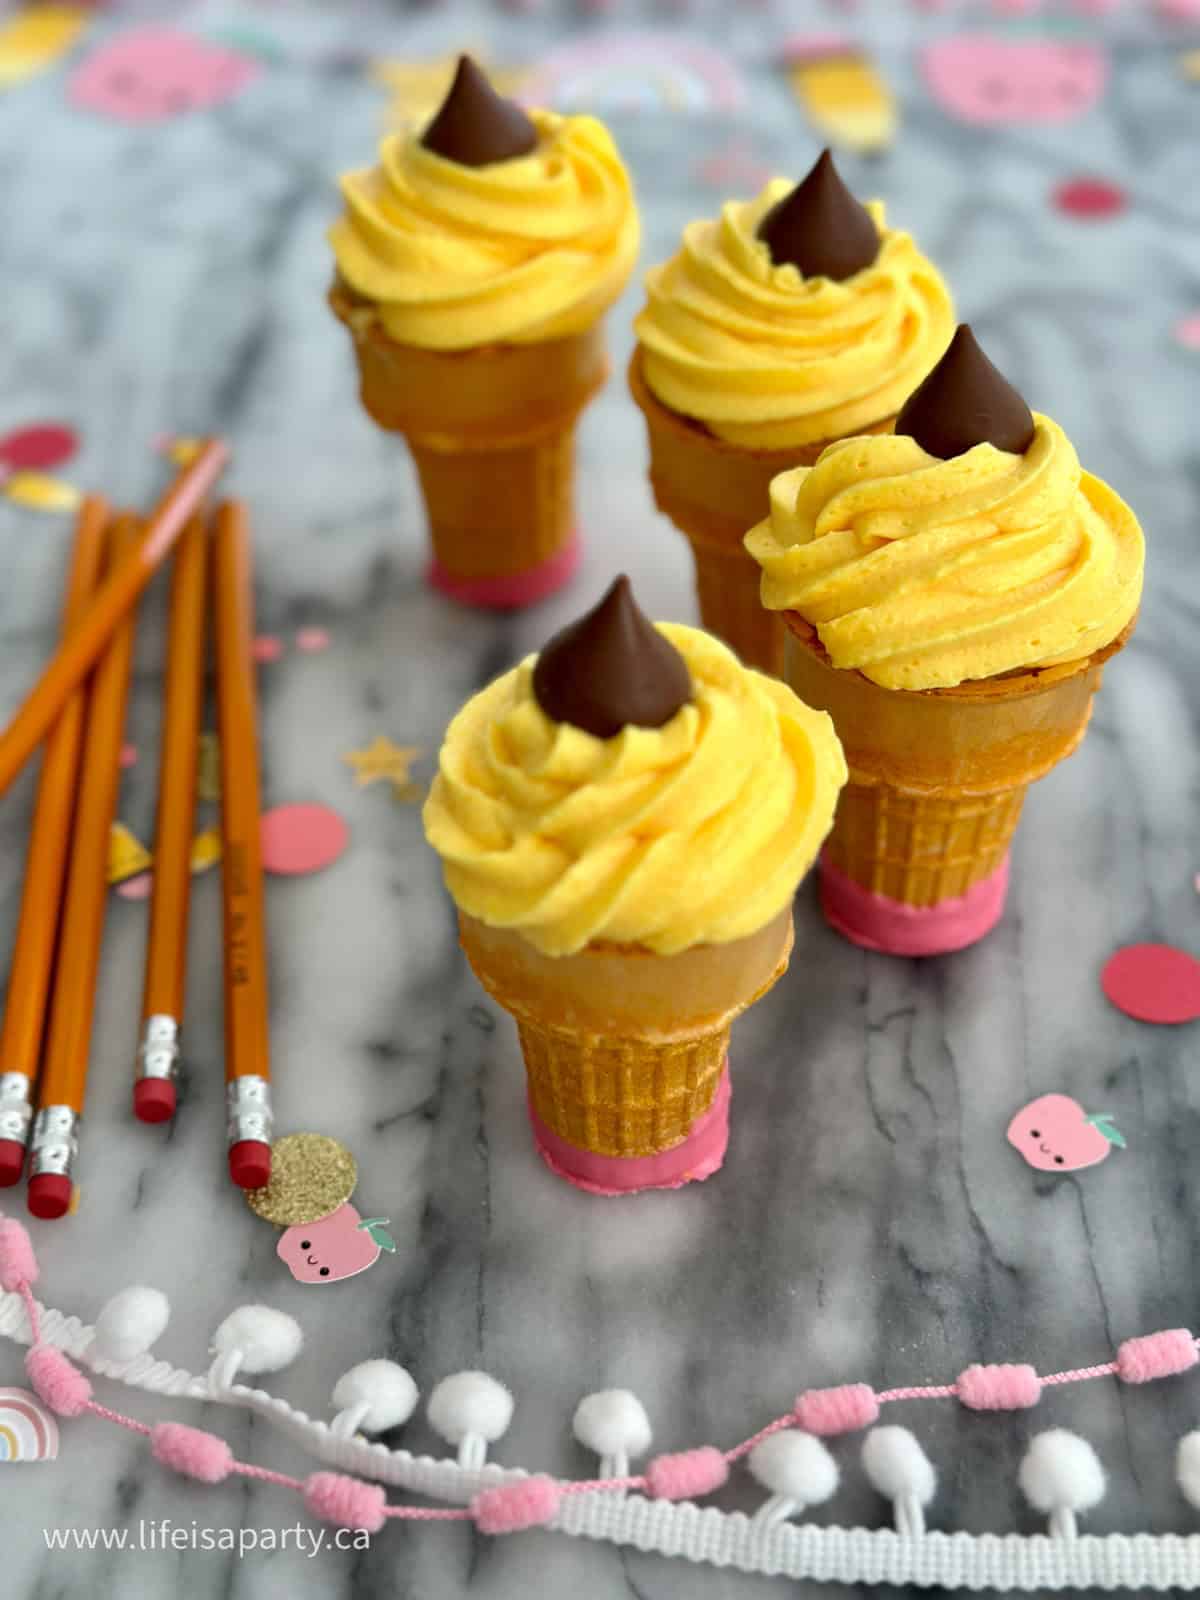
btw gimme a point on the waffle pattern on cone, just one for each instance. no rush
(921, 849)
(496, 512)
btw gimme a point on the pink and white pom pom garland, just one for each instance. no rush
(1060, 1475)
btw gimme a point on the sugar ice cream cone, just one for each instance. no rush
(626, 1051)
(917, 862)
(492, 435)
(713, 491)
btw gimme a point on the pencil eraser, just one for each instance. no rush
(154, 1099)
(12, 1162)
(49, 1195)
(250, 1163)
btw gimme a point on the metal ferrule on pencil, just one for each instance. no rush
(16, 1112)
(248, 1109)
(158, 1048)
(55, 1141)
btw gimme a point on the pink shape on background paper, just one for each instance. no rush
(1187, 331)
(1154, 983)
(137, 888)
(302, 838)
(38, 447)
(152, 74)
(1054, 1135)
(982, 79)
(336, 1247)
(312, 640)
(1090, 199)
(267, 648)
(128, 756)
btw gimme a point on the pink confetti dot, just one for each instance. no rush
(128, 756)
(1187, 331)
(136, 888)
(1154, 983)
(39, 447)
(267, 648)
(312, 640)
(1091, 199)
(302, 838)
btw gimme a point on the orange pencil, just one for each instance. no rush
(247, 1045)
(113, 601)
(45, 871)
(166, 947)
(54, 1145)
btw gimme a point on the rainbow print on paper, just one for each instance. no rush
(27, 1430)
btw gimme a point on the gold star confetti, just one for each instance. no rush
(208, 768)
(1189, 65)
(40, 492)
(127, 856)
(183, 451)
(311, 1176)
(36, 37)
(206, 850)
(383, 759)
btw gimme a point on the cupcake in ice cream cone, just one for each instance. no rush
(950, 594)
(474, 265)
(622, 822)
(793, 319)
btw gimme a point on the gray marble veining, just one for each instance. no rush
(871, 1221)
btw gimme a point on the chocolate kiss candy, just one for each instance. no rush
(820, 227)
(963, 402)
(610, 669)
(475, 126)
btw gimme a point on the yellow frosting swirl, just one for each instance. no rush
(767, 358)
(924, 573)
(522, 251)
(693, 833)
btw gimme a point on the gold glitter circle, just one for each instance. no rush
(311, 1176)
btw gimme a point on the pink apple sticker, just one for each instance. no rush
(338, 1246)
(153, 74)
(990, 81)
(1055, 1134)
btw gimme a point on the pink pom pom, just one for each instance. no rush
(688, 1474)
(59, 1384)
(842, 1410)
(18, 1264)
(999, 1388)
(191, 1451)
(1156, 1355)
(510, 1507)
(335, 1498)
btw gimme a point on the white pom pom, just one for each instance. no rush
(612, 1422)
(1061, 1471)
(130, 1323)
(263, 1339)
(897, 1466)
(795, 1465)
(1187, 1467)
(470, 1403)
(378, 1394)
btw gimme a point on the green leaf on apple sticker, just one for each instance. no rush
(1102, 1121)
(376, 1227)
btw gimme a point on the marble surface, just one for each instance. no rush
(871, 1222)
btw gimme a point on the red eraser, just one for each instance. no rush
(154, 1099)
(49, 1195)
(250, 1163)
(12, 1162)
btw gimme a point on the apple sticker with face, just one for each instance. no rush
(152, 74)
(338, 1246)
(1055, 1134)
(990, 81)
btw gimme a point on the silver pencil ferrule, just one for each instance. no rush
(16, 1111)
(55, 1142)
(158, 1048)
(248, 1110)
